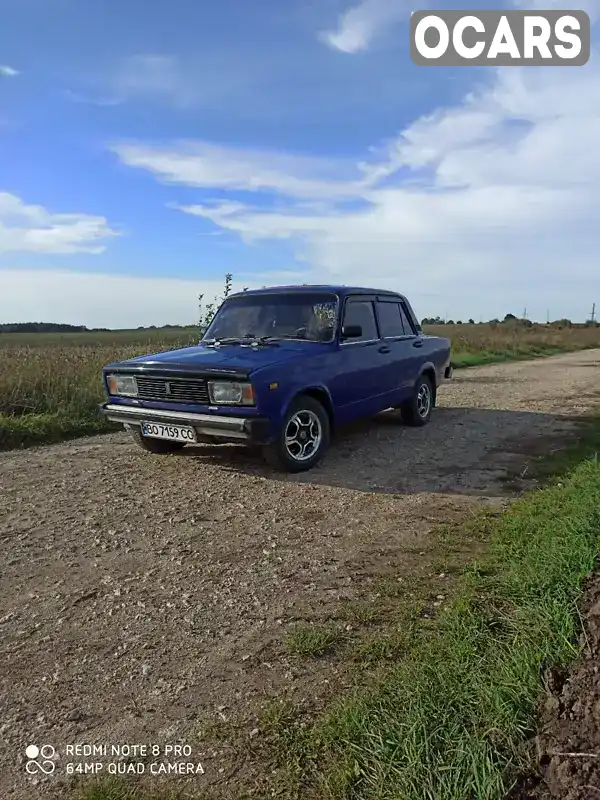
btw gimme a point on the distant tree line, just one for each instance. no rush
(510, 319)
(43, 327)
(60, 327)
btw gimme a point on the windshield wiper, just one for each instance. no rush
(261, 340)
(217, 342)
(249, 339)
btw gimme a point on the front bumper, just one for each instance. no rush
(253, 430)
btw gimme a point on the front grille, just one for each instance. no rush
(173, 390)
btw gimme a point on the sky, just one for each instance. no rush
(146, 149)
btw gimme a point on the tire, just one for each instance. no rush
(158, 446)
(417, 411)
(313, 418)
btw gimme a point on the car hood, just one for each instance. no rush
(236, 360)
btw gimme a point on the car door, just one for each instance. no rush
(361, 383)
(399, 334)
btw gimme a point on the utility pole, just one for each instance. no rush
(525, 313)
(593, 317)
(547, 316)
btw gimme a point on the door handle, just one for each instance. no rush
(384, 349)
(418, 343)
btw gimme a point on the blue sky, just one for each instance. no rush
(146, 149)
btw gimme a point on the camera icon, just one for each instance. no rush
(40, 759)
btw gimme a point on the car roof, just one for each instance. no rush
(342, 291)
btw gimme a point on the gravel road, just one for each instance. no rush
(141, 593)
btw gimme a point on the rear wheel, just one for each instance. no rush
(303, 439)
(417, 410)
(156, 445)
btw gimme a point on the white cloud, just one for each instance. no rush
(206, 79)
(34, 229)
(101, 300)
(359, 25)
(8, 72)
(154, 75)
(490, 204)
(206, 165)
(143, 77)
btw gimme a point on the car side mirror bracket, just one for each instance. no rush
(351, 331)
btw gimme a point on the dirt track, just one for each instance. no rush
(139, 593)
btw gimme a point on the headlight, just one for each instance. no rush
(229, 393)
(122, 384)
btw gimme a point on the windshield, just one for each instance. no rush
(306, 316)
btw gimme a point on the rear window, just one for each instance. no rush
(390, 319)
(408, 326)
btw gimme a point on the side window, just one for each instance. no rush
(361, 312)
(390, 320)
(408, 327)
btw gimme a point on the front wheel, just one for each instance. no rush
(161, 446)
(417, 410)
(303, 439)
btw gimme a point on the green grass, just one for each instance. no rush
(29, 429)
(498, 356)
(311, 640)
(385, 646)
(449, 720)
(120, 789)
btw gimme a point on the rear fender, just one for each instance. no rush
(428, 368)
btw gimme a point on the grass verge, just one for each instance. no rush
(448, 722)
(500, 355)
(29, 429)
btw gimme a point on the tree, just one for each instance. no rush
(471, 322)
(509, 317)
(206, 316)
(562, 323)
(432, 321)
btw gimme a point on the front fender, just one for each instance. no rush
(317, 390)
(307, 375)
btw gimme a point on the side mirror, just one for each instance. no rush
(351, 331)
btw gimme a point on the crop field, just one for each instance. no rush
(50, 383)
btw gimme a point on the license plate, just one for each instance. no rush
(177, 433)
